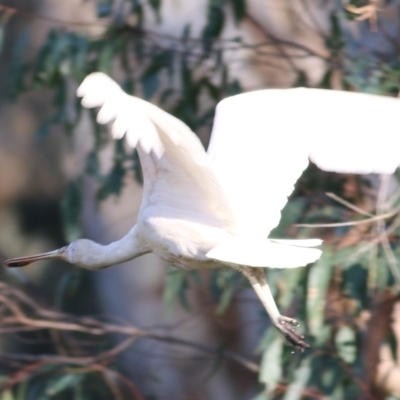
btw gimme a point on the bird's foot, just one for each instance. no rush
(287, 326)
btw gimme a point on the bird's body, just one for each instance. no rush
(180, 238)
(209, 210)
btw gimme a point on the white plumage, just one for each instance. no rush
(207, 210)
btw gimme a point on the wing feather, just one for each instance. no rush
(176, 169)
(263, 253)
(258, 156)
(352, 132)
(261, 142)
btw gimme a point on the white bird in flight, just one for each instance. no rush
(216, 208)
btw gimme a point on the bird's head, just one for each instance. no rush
(81, 252)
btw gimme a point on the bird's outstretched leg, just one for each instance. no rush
(287, 326)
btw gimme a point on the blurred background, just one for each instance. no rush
(143, 330)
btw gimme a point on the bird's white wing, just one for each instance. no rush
(259, 252)
(258, 154)
(261, 142)
(176, 169)
(352, 132)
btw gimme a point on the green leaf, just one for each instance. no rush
(234, 88)
(338, 393)
(271, 362)
(186, 32)
(175, 287)
(346, 345)
(158, 62)
(301, 378)
(215, 24)
(264, 396)
(71, 205)
(104, 9)
(81, 47)
(3, 22)
(226, 299)
(213, 90)
(239, 9)
(224, 283)
(101, 135)
(155, 5)
(218, 360)
(382, 273)
(114, 181)
(378, 274)
(335, 41)
(7, 394)
(326, 80)
(67, 287)
(129, 86)
(328, 377)
(43, 130)
(288, 285)
(355, 284)
(318, 280)
(92, 166)
(136, 167)
(228, 280)
(17, 68)
(150, 84)
(291, 214)
(105, 59)
(165, 95)
(22, 391)
(135, 5)
(343, 257)
(58, 385)
(301, 79)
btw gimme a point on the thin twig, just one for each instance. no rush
(395, 224)
(50, 19)
(348, 204)
(20, 321)
(352, 223)
(142, 32)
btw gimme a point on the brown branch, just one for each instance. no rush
(111, 376)
(21, 375)
(375, 218)
(273, 42)
(80, 361)
(33, 368)
(304, 393)
(348, 204)
(31, 14)
(15, 319)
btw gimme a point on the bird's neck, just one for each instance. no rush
(98, 256)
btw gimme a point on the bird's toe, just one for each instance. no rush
(290, 321)
(287, 327)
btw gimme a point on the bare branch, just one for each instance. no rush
(349, 205)
(352, 223)
(14, 318)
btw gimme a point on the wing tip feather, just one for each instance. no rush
(263, 254)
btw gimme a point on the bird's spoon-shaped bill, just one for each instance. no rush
(59, 254)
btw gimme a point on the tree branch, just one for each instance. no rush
(14, 318)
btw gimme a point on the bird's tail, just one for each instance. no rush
(267, 253)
